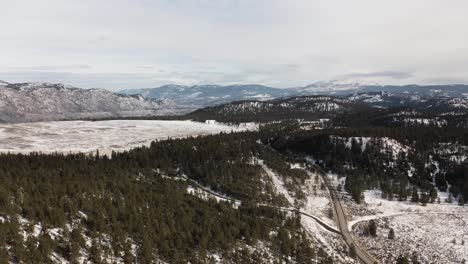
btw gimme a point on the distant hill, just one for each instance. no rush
(23, 102)
(360, 109)
(209, 95)
(308, 107)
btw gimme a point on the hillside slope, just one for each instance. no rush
(22, 102)
(294, 107)
(206, 95)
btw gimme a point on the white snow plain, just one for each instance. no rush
(105, 136)
(438, 233)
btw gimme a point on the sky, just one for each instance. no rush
(119, 44)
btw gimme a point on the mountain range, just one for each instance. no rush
(25, 102)
(207, 95)
(370, 108)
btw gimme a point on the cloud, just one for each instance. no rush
(390, 74)
(49, 68)
(274, 42)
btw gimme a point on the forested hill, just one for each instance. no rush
(308, 107)
(136, 206)
(399, 161)
(364, 109)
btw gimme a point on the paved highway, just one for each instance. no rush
(238, 202)
(342, 222)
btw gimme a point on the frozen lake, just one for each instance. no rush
(105, 136)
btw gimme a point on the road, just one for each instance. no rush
(238, 202)
(342, 222)
(318, 220)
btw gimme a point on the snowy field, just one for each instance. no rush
(105, 136)
(437, 233)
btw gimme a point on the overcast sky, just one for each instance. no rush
(119, 44)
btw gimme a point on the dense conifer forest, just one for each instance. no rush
(135, 205)
(367, 157)
(137, 198)
(344, 111)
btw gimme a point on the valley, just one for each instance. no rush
(103, 136)
(233, 132)
(299, 179)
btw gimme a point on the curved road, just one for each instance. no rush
(342, 222)
(207, 190)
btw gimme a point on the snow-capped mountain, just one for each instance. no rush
(22, 102)
(335, 86)
(206, 95)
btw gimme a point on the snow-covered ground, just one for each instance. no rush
(206, 194)
(438, 233)
(318, 204)
(318, 200)
(277, 182)
(105, 136)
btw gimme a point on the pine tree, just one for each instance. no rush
(95, 252)
(77, 237)
(352, 251)
(450, 198)
(433, 194)
(45, 247)
(32, 254)
(128, 257)
(391, 234)
(402, 260)
(424, 199)
(461, 201)
(402, 193)
(414, 259)
(17, 239)
(145, 252)
(415, 195)
(4, 256)
(372, 228)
